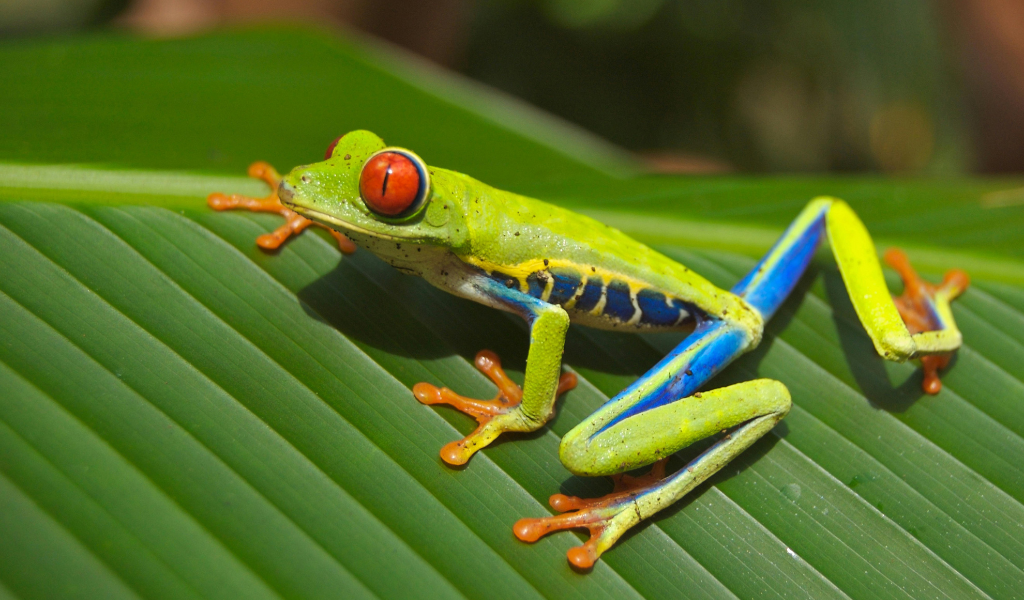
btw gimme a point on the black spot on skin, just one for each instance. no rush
(348, 157)
(535, 283)
(689, 372)
(517, 234)
(593, 269)
(510, 283)
(545, 262)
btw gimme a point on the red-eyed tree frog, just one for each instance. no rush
(552, 266)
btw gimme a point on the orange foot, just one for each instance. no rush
(607, 517)
(490, 414)
(295, 223)
(916, 308)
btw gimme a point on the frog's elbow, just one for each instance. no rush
(898, 346)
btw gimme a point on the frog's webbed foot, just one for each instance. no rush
(294, 223)
(607, 517)
(918, 308)
(494, 416)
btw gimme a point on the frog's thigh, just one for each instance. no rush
(654, 434)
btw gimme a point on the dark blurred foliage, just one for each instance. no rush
(760, 84)
(28, 17)
(754, 85)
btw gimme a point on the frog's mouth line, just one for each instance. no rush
(345, 227)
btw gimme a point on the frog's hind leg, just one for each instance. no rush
(750, 409)
(918, 324)
(509, 397)
(294, 224)
(662, 412)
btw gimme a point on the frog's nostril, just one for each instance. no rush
(285, 192)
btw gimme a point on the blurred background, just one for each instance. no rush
(908, 87)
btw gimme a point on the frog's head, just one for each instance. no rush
(373, 194)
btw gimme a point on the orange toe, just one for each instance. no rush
(600, 516)
(582, 557)
(916, 307)
(509, 396)
(294, 225)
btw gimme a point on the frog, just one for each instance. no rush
(552, 267)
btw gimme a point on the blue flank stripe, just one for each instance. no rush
(714, 344)
(590, 296)
(655, 310)
(564, 288)
(619, 305)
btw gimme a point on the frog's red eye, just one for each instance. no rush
(393, 183)
(330, 149)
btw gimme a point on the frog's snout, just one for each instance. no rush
(285, 192)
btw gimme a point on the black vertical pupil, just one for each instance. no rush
(384, 188)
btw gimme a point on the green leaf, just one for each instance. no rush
(185, 415)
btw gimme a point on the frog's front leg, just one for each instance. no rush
(294, 223)
(644, 424)
(514, 408)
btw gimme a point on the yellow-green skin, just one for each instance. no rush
(485, 244)
(491, 228)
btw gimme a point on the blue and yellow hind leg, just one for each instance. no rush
(916, 325)
(662, 412)
(620, 437)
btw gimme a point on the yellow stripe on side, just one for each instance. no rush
(525, 269)
(579, 292)
(588, 273)
(862, 274)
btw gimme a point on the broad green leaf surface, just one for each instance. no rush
(183, 415)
